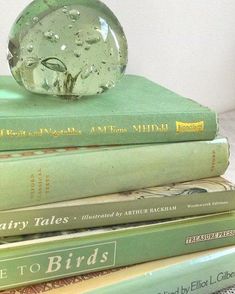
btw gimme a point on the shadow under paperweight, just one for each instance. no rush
(67, 48)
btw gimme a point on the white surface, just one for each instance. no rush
(185, 45)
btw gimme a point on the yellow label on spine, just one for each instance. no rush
(193, 127)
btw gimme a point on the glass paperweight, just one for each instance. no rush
(67, 48)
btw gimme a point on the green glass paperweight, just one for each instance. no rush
(67, 48)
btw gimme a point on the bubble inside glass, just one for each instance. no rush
(67, 48)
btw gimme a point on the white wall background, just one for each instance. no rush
(185, 45)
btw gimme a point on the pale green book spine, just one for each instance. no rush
(136, 111)
(59, 132)
(49, 258)
(45, 176)
(213, 268)
(203, 275)
(200, 197)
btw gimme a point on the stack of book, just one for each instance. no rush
(130, 178)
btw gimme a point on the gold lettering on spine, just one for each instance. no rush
(40, 185)
(40, 132)
(160, 128)
(47, 184)
(32, 185)
(190, 127)
(108, 130)
(94, 130)
(213, 161)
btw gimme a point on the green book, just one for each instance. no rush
(31, 178)
(36, 258)
(199, 273)
(212, 269)
(193, 198)
(135, 111)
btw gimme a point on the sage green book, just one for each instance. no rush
(199, 273)
(31, 178)
(192, 198)
(135, 111)
(36, 258)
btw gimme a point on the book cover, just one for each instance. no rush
(192, 198)
(37, 258)
(135, 111)
(212, 269)
(31, 178)
(200, 273)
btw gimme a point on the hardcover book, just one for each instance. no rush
(36, 177)
(135, 111)
(36, 258)
(199, 273)
(199, 197)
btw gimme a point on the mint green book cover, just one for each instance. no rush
(135, 111)
(31, 178)
(200, 197)
(202, 273)
(199, 273)
(36, 258)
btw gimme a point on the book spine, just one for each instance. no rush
(66, 176)
(200, 275)
(49, 132)
(67, 217)
(50, 260)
